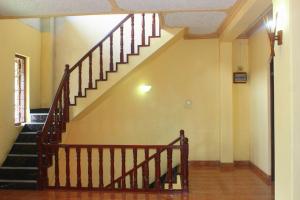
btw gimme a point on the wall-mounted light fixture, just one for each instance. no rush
(273, 34)
(144, 88)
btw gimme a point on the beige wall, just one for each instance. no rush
(241, 102)
(16, 37)
(287, 102)
(260, 136)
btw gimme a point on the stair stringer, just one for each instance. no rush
(84, 104)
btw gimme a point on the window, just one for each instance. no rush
(20, 89)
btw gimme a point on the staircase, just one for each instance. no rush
(39, 160)
(20, 169)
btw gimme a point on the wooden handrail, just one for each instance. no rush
(120, 182)
(148, 159)
(99, 43)
(107, 146)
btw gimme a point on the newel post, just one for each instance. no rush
(67, 93)
(184, 148)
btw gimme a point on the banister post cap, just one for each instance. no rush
(67, 67)
(181, 133)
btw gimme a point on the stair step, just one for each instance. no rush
(33, 127)
(176, 185)
(18, 184)
(38, 117)
(24, 148)
(39, 110)
(21, 160)
(24, 173)
(29, 133)
(27, 137)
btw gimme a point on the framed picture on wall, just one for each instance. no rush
(240, 77)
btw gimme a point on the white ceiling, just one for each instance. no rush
(201, 17)
(199, 23)
(52, 7)
(167, 5)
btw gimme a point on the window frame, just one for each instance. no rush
(25, 90)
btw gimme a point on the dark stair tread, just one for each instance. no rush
(18, 184)
(39, 110)
(24, 148)
(21, 160)
(23, 173)
(22, 138)
(32, 127)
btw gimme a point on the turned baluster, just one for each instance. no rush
(101, 62)
(157, 170)
(121, 45)
(112, 166)
(123, 152)
(78, 167)
(135, 169)
(143, 29)
(90, 179)
(111, 63)
(67, 151)
(67, 94)
(60, 110)
(146, 175)
(51, 136)
(153, 24)
(91, 71)
(100, 150)
(169, 166)
(56, 150)
(79, 79)
(132, 34)
(56, 125)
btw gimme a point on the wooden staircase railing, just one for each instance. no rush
(128, 181)
(133, 32)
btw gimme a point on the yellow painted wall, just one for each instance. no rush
(294, 20)
(260, 135)
(16, 37)
(241, 104)
(287, 102)
(123, 114)
(47, 58)
(226, 115)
